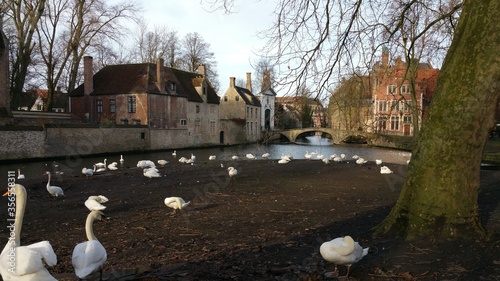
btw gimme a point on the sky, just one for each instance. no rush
(232, 37)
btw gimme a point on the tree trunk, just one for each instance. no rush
(439, 196)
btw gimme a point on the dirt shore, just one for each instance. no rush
(267, 223)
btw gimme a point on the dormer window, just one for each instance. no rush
(225, 98)
(204, 90)
(173, 87)
(237, 98)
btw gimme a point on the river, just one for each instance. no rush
(72, 166)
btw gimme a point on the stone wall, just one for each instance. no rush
(63, 141)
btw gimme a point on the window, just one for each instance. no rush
(395, 123)
(197, 109)
(212, 128)
(99, 106)
(407, 119)
(225, 98)
(183, 122)
(204, 89)
(237, 98)
(248, 114)
(407, 105)
(391, 89)
(405, 89)
(112, 106)
(395, 105)
(172, 86)
(382, 106)
(131, 104)
(124, 121)
(382, 123)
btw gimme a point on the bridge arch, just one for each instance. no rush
(337, 136)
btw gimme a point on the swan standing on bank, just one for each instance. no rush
(101, 164)
(30, 259)
(176, 203)
(55, 191)
(342, 250)
(19, 175)
(232, 171)
(87, 172)
(89, 257)
(93, 203)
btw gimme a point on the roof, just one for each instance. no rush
(140, 78)
(269, 92)
(247, 96)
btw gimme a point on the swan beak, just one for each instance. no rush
(6, 192)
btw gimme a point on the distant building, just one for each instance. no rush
(151, 95)
(292, 108)
(240, 113)
(268, 101)
(5, 113)
(393, 107)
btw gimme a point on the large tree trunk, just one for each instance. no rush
(439, 197)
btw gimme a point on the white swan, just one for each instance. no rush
(174, 153)
(378, 161)
(89, 257)
(342, 250)
(151, 173)
(232, 171)
(308, 156)
(101, 164)
(19, 175)
(100, 170)
(55, 191)
(113, 166)
(325, 160)
(212, 157)
(29, 260)
(162, 162)
(176, 203)
(266, 155)
(361, 161)
(93, 203)
(283, 161)
(250, 156)
(235, 157)
(87, 172)
(145, 164)
(121, 159)
(385, 170)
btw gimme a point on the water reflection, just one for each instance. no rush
(72, 166)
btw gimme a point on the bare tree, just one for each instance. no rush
(439, 196)
(161, 42)
(24, 16)
(195, 51)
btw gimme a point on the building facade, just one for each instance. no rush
(267, 99)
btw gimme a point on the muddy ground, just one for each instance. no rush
(265, 224)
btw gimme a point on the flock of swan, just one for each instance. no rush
(89, 256)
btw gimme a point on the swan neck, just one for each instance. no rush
(89, 228)
(48, 181)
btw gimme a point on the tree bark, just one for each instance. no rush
(439, 196)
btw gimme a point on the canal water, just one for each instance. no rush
(72, 166)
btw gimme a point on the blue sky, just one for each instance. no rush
(232, 37)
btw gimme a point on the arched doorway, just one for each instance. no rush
(267, 118)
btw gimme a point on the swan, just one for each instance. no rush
(100, 170)
(212, 157)
(308, 156)
(355, 157)
(113, 166)
(342, 250)
(162, 162)
(19, 175)
(151, 173)
(250, 156)
(174, 153)
(325, 160)
(176, 203)
(361, 161)
(89, 257)
(193, 157)
(235, 157)
(232, 171)
(283, 161)
(385, 170)
(145, 164)
(101, 164)
(337, 159)
(121, 159)
(55, 191)
(87, 172)
(93, 203)
(378, 161)
(29, 259)
(265, 155)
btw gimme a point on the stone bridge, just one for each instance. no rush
(337, 136)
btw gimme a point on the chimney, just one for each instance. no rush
(249, 81)
(160, 74)
(231, 82)
(88, 75)
(266, 80)
(202, 70)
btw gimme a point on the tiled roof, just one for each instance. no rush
(140, 78)
(247, 96)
